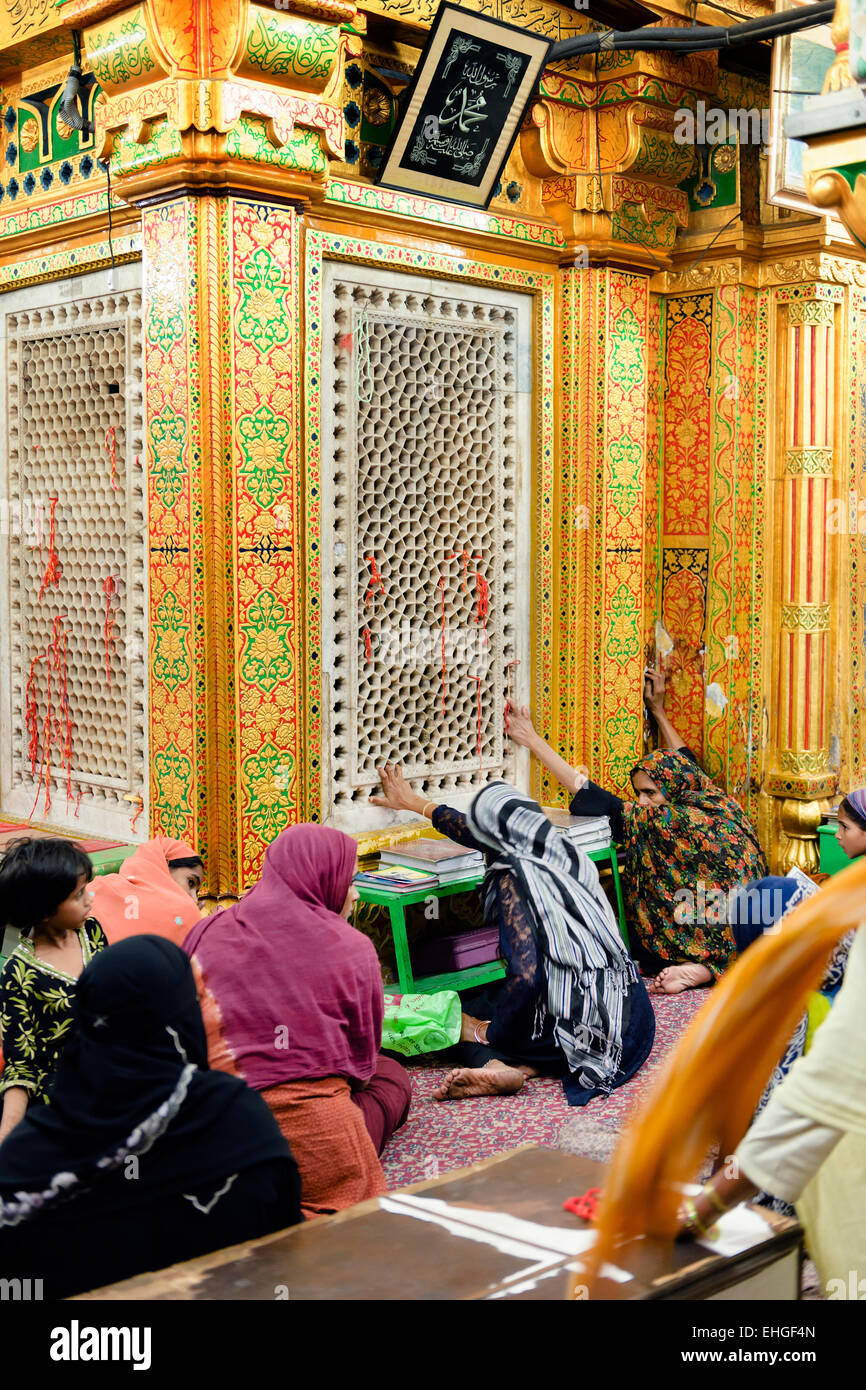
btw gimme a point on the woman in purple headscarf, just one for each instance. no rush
(292, 1001)
(851, 832)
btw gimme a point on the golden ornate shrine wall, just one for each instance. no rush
(666, 474)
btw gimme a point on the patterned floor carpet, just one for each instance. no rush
(440, 1136)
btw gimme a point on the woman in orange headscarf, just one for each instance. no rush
(155, 891)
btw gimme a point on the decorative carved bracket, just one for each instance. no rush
(250, 101)
(607, 154)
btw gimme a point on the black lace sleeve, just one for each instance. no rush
(519, 993)
(524, 983)
(453, 824)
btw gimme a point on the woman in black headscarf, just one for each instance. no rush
(143, 1157)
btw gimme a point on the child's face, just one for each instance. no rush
(851, 837)
(74, 911)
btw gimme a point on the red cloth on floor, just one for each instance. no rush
(384, 1103)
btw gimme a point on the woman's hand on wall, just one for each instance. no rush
(518, 725)
(654, 689)
(397, 794)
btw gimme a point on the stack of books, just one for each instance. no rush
(396, 879)
(587, 832)
(441, 857)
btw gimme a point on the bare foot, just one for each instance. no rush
(494, 1079)
(677, 978)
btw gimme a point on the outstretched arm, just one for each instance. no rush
(399, 796)
(521, 730)
(654, 696)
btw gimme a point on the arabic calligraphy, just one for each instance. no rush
(462, 119)
(464, 106)
(27, 16)
(470, 92)
(459, 45)
(512, 64)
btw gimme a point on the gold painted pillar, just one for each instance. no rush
(224, 503)
(834, 166)
(218, 121)
(803, 645)
(614, 192)
(603, 486)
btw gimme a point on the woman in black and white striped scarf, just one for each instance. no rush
(589, 971)
(573, 1003)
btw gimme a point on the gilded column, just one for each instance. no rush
(712, 494)
(834, 167)
(603, 145)
(218, 120)
(604, 345)
(799, 769)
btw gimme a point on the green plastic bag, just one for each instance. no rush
(417, 1023)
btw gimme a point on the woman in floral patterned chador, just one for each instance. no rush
(684, 837)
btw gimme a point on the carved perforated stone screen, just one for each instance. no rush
(426, 592)
(73, 556)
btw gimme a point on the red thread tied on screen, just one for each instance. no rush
(376, 581)
(111, 589)
(482, 601)
(51, 575)
(57, 723)
(65, 722)
(111, 446)
(31, 713)
(467, 557)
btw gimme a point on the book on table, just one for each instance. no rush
(587, 832)
(438, 856)
(397, 878)
(461, 875)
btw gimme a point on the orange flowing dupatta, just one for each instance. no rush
(144, 897)
(707, 1090)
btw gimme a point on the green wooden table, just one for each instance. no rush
(474, 975)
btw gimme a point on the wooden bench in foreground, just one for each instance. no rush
(425, 1242)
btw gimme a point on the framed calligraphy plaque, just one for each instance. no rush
(464, 107)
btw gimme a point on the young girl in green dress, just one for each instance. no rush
(44, 892)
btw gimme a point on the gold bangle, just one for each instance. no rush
(424, 808)
(714, 1199)
(693, 1221)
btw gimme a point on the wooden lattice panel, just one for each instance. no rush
(426, 481)
(74, 647)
